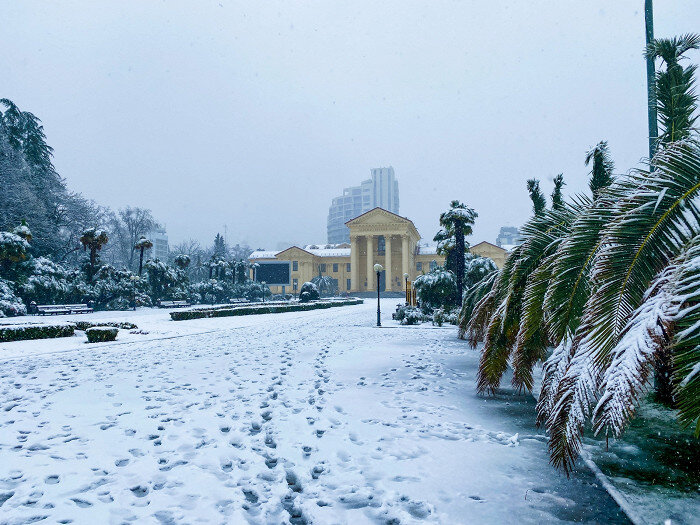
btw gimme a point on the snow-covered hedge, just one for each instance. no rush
(85, 325)
(410, 315)
(35, 331)
(202, 313)
(100, 334)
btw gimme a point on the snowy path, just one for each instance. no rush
(311, 418)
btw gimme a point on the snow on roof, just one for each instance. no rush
(263, 254)
(330, 252)
(427, 249)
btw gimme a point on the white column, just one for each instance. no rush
(354, 265)
(387, 259)
(404, 256)
(370, 263)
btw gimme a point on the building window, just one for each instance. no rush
(322, 267)
(347, 285)
(433, 265)
(419, 266)
(381, 245)
(347, 267)
(295, 266)
(335, 267)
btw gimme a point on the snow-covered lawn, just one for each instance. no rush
(301, 417)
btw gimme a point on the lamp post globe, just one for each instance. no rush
(378, 269)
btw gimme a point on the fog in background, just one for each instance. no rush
(255, 115)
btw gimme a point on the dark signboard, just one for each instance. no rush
(277, 273)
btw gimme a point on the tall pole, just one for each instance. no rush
(379, 314)
(651, 80)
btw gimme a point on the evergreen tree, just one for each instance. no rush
(220, 249)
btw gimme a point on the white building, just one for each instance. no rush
(160, 249)
(381, 191)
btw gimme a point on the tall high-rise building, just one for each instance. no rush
(381, 191)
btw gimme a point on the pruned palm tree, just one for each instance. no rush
(602, 167)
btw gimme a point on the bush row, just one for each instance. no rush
(38, 331)
(262, 309)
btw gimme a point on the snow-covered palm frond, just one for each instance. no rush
(531, 341)
(686, 342)
(632, 359)
(554, 369)
(655, 218)
(472, 298)
(571, 407)
(570, 287)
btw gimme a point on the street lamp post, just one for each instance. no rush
(263, 290)
(133, 278)
(378, 269)
(405, 277)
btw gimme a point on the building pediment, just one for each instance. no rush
(294, 252)
(381, 222)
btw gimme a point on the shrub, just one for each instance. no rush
(435, 289)
(100, 334)
(35, 331)
(308, 292)
(10, 304)
(442, 316)
(410, 315)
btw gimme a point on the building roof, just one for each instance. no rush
(321, 250)
(490, 244)
(263, 254)
(427, 249)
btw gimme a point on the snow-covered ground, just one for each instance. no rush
(306, 417)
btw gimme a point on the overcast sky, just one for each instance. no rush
(256, 114)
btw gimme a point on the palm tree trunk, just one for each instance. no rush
(459, 246)
(140, 262)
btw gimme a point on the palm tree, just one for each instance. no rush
(539, 203)
(676, 100)
(602, 168)
(142, 245)
(457, 223)
(93, 239)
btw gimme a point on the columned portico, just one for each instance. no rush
(367, 231)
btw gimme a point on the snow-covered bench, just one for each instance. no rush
(174, 304)
(57, 309)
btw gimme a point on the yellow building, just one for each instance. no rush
(377, 236)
